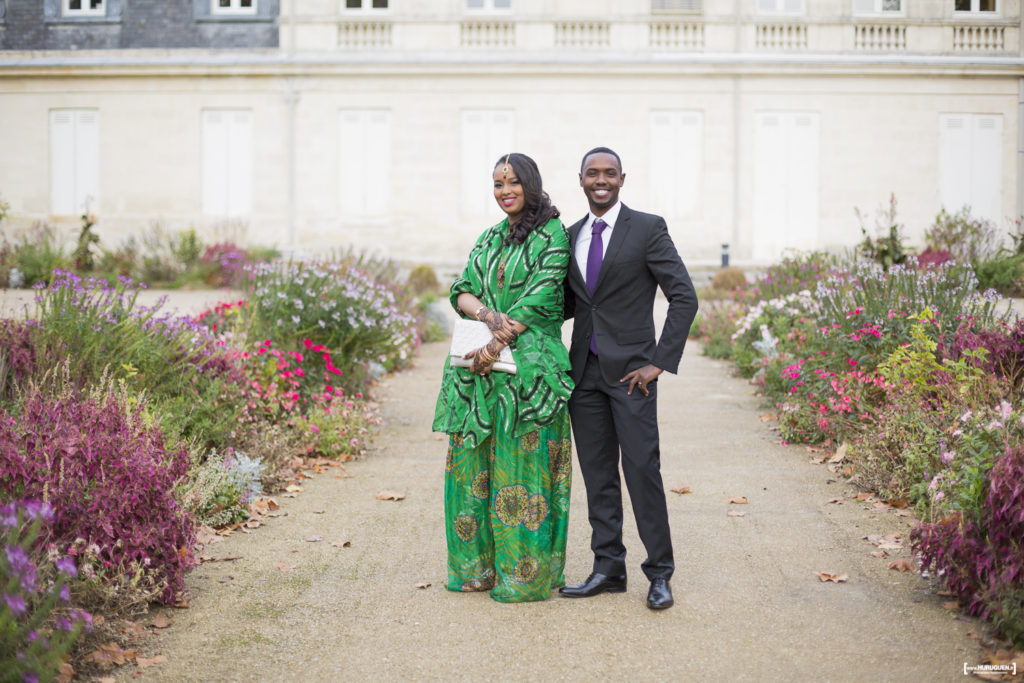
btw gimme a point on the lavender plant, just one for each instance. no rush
(38, 625)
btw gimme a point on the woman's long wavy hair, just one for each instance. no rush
(537, 206)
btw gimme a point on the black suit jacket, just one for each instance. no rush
(640, 258)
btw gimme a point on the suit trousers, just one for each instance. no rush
(606, 420)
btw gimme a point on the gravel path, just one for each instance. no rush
(749, 605)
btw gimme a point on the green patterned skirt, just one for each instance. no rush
(506, 505)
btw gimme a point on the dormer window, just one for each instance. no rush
(83, 8)
(365, 5)
(233, 7)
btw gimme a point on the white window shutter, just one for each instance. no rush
(770, 184)
(351, 154)
(87, 158)
(863, 6)
(378, 161)
(690, 162)
(802, 188)
(239, 163)
(474, 162)
(62, 162)
(955, 161)
(986, 167)
(215, 163)
(662, 178)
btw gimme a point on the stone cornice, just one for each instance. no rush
(470, 62)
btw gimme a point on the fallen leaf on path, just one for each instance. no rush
(281, 566)
(838, 501)
(886, 542)
(817, 461)
(206, 558)
(832, 576)
(66, 672)
(342, 544)
(313, 539)
(840, 454)
(951, 605)
(106, 679)
(905, 512)
(160, 621)
(681, 490)
(422, 585)
(294, 488)
(207, 535)
(134, 629)
(738, 500)
(898, 502)
(973, 634)
(879, 506)
(768, 417)
(735, 513)
(253, 524)
(439, 437)
(865, 496)
(902, 565)
(879, 553)
(390, 495)
(319, 512)
(106, 655)
(289, 495)
(146, 663)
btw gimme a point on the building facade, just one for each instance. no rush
(761, 124)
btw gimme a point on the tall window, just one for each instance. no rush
(233, 7)
(74, 161)
(676, 161)
(368, 5)
(975, 6)
(780, 6)
(785, 203)
(486, 135)
(83, 8)
(878, 7)
(489, 4)
(364, 161)
(227, 162)
(971, 163)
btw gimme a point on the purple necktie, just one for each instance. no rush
(594, 257)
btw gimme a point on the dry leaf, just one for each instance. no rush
(285, 567)
(65, 673)
(422, 585)
(879, 553)
(106, 655)
(160, 621)
(734, 513)
(293, 488)
(313, 539)
(951, 604)
(681, 490)
(439, 437)
(390, 495)
(838, 501)
(832, 576)
(898, 502)
(146, 663)
(319, 512)
(738, 500)
(817, 461)
(865, 496)
(767, 417)
(106, 679)
(342, 544)
(206, 535)
(253, 524)
(902, 565)
(840, 454)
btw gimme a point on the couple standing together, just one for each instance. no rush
(509, 466)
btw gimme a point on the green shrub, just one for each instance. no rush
(715, 326)
(38, 254)
(969, 240)
(793, 274)
(886, 247)
(423, 280)
(1003, 273)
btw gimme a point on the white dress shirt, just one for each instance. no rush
(583, 238)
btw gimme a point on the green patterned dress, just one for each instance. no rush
(509, 466)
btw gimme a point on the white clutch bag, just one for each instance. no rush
(472, 334)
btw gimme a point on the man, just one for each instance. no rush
(620, 258)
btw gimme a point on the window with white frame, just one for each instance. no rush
(486, 135)
(884, 7)
(233, 7)
(489, 4)
(74, 161)
(676, 5)
(364, 161)
(780, 6)
(227, 162)
(676, 162)
(365, 5)
(83, 8)
(971, 163)
(975, 6)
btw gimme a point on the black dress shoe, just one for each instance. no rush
(660, 595)
(595, 583)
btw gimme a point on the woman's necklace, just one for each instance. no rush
(503, 261)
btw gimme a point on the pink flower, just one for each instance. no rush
(851, 362)
(307, 343)
(354, 443)
(266, 343)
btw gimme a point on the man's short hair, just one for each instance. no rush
(600, 150)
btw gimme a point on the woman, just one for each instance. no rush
(509, 465)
